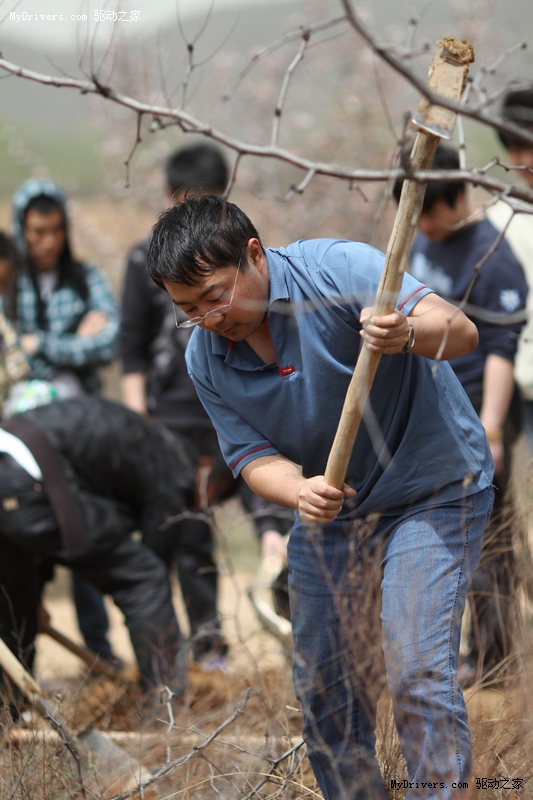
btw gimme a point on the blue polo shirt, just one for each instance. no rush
(500, 287)
(421, 442)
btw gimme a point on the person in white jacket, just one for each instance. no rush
(517, 107)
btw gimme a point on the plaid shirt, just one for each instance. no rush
(60, 347)
(13, 364)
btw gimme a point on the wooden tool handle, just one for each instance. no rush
(409, 207)
(20, 677)
(447, 78)
(97, 664)
(92, 749)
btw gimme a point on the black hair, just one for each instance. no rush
(71, 272)
(517, 107)
(196, 237)
(9, 253)
(447, 158)
(199, 166)
(44, 204)
(7, 249)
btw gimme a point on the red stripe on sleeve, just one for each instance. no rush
(249, 453)
(410, 296)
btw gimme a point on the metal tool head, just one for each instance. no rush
(260, 596)
(447, 77)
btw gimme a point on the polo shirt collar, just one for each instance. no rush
(277, 275)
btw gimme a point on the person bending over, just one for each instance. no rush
(378, 572)
(77, 478)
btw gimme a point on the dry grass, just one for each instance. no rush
(230, 766)
(252, 747)
(259, 754)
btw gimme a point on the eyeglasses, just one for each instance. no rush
(219, 310)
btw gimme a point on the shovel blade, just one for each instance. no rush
(109, 766)
(447, 77)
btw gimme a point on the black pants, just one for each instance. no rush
(190, 544)
(92, 616)
(137, 580)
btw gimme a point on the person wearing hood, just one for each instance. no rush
(65, 312)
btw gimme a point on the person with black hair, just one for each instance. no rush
(65, 312)
(378, 571)
(454, 236)
(155, 379)
(517, 107)
(68, 324)
(155, 382)
(199, 168)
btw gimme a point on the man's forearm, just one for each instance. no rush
(437, 322)
(434, 322)
(277, 479)
(498, 386)
(134, 391)
(274, 478)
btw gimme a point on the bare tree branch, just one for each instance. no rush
(285, 88)
(273, 766)
(387, 54)
(285, 39)
(138, 140)
(190, 123)
(301, 186)
(194, 753)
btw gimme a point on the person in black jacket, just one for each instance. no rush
(123, 474)
(155, 383)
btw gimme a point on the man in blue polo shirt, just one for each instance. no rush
(378, 572)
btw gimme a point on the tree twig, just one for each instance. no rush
(284, 89)
(194, 753)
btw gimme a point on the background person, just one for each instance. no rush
(143, 484)
(454, 236)
(65, 311)
(13, 364)
(155, 383)
(389, 576)
(518, 108)
(68, 324)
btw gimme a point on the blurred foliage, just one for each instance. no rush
(71, 158)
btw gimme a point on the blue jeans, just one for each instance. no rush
(380, 601)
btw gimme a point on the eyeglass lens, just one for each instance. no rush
(190, 323)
